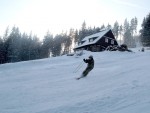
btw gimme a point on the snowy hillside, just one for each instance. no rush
(119, 83)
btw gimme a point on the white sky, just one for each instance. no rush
(39, 16)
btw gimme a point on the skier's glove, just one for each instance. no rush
(83, 59)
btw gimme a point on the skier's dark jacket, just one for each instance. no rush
(90, 62)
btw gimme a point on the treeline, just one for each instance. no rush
(16, 46)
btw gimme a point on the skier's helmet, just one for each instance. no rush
(90, 56)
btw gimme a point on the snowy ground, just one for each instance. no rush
(119, 83)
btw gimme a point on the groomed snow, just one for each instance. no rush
(119, 83)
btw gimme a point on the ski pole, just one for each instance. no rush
(78, 67)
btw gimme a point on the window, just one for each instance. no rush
(91, 40)
(112, 41)
(106, 40)
(82, 42)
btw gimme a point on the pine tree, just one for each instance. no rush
(70, 40)
(35, 48)
(145, 31)
(25, 47)
(127, 34)
(13, 49)
(57, 45)
(82, 32)
(116, 29)
(5, 45)
(2, 51)
(135, 24)
(76, 37)
(120, 33)
(102, 27)
(47, 45)
(109, 26)
(133, 27)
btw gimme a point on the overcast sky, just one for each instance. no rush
(39, 16)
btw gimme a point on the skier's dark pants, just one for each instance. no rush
(86, 71)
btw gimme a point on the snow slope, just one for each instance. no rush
(119, 83)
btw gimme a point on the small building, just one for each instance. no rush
(97, 42)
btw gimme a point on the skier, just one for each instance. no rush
(90, 66)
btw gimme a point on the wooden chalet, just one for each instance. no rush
(97, 42)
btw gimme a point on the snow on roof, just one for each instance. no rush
(97, 36)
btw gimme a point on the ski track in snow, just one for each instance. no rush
(119, 83)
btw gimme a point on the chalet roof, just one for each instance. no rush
(97, 36)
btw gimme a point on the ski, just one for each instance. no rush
(77, 78)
